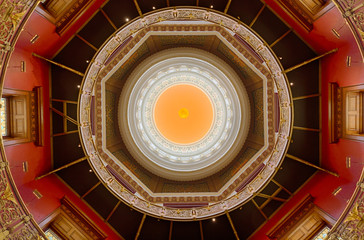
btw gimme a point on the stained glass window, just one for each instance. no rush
(323, 234)
(3, 115)
(52, 235)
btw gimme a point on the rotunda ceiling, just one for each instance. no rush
(184, 125)
(197, 73)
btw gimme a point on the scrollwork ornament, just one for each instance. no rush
(359, 17)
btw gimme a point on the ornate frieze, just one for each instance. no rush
(115, 50)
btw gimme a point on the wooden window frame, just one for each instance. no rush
(12, 95)
(295, 219)
(345, 92)
(34, 122)
(77, 220)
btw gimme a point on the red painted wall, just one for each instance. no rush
(39, 158)
(333, 69)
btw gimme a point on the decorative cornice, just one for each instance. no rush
(81, 220)
(351, 222)
(353, 13)
(273, 69)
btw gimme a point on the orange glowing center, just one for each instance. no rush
(183, 114)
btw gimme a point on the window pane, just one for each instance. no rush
(3, 115)
(52, 235)
(323, 234)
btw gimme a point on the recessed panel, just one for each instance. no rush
(65, 84)
(292, 50)
(101, 200)
(216, 5)
(293, 174)
(307, 112)
(120, 12)
(245, 10)
(75, 54)
(186, 230)
(66, 149)
(79, 177)
(305, 80)
(305, 145)
(154, 228)
(97, 30)
(218, 229)
(126, 221)
(247, 219)
(147, 5)
(269, 26)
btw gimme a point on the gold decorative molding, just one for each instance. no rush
(353, 12)
(350, 225)
(15, 220)
(334, 112)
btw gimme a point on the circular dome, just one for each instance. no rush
(176, 78)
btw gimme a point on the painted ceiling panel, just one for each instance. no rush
(269, 26)
(66, 150)
(217, 5)
(101, 200)
(79, 177)
(283, 194)
(270, 188)
(97, 30)
(246, 219)
(75, 54)
(245, 10)
(219, 229)
(306, 112)
(293, 174)
(305, 80)
(271, 207)
(57, 123)
(126, 226)
(118, 11)
(147, 5)
(305, 145)
(182, 2)
(64, 84)
(154, 228)
(186, 230)
(259, 200)
(292, 50)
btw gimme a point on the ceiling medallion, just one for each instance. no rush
(178, 67)
(234, 109)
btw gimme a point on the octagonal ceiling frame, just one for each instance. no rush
(254, 41)
(256, 162)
